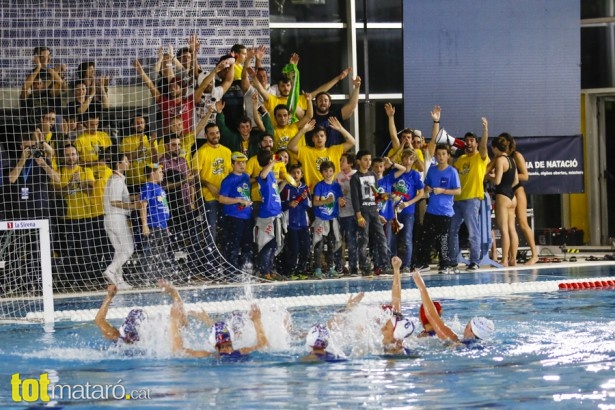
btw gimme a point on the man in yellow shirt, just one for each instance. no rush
(312, 157)
(211, 164)
(76, 183)
(91, 143)
(140, 152)
(472, 166)
(283, 131)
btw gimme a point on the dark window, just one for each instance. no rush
(595, 8)
(290, 11)
(385, 56)
(322, 55)
(594, 58)
(380, 11)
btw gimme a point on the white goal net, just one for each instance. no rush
(82, 86)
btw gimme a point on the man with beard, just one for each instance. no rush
(211, 164)
(139, 150)
(323, 110)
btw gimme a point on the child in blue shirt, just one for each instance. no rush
(269, 228)
(328, 197)
(295, 203)
(407, 191)
(384, 201)
(154, 219)
(234, 195)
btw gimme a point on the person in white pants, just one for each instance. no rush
(117, 206)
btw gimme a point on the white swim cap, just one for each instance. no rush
(482, 327)
(403, 328)
(318, 336)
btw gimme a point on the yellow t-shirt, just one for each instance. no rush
(281, 136)
(274, 101)
(90, 145)
(472, 169)
(141, 150)
(102, 173)
(253, 169)
(238, 71)
(77, 200)
(56, 148)
(311, 158)
(211, 164)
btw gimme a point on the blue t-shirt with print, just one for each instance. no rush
(405, 188)
(385, 186)
(268, 188)
(236, 186)
(323, 190)
(447, 178)
(297, 216)
(158, 213)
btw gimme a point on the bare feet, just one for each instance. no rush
(533, 260)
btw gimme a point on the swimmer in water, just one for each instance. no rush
(129, 331)
(317, 338)
(220, 335)
(427, 327)
(478, 328)
(397, 328)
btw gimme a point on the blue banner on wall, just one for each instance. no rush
(554, 164)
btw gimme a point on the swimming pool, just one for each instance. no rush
(551, 350)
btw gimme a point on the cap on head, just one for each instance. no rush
(318, 336)
(238, 156)
(129, 331)
(417, 133)
(423, 316)
(482, 327)
(403, 328)
(219, 334)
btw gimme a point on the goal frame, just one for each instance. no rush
(42, 225)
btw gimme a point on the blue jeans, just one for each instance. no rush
(348, 231)
(238, 242)
(213, 212)
(266, 257)
(407, 219)
(465, 211)
(373, 229)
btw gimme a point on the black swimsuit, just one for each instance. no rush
(505, 187)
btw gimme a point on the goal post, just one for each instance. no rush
(13, 298)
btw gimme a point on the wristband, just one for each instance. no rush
(436, 122)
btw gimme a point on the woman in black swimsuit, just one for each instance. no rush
(504, 177)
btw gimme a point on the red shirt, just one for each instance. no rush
(170, 109)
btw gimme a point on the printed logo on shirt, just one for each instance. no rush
(444, 182)
(218, 166)
(320, 161)
(244, 191)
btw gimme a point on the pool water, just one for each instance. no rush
(551, 350)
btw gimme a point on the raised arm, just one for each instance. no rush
(309, 113)
(352, 103)
(146, 80)
(108, 330)
(349, 140)
(435, 129)
(293, 144)
(482, 144)
(27, 85)
(329, 84)
(352, 302)
(396, 285)
(390, 110)
(261, 338)
(443, 331)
